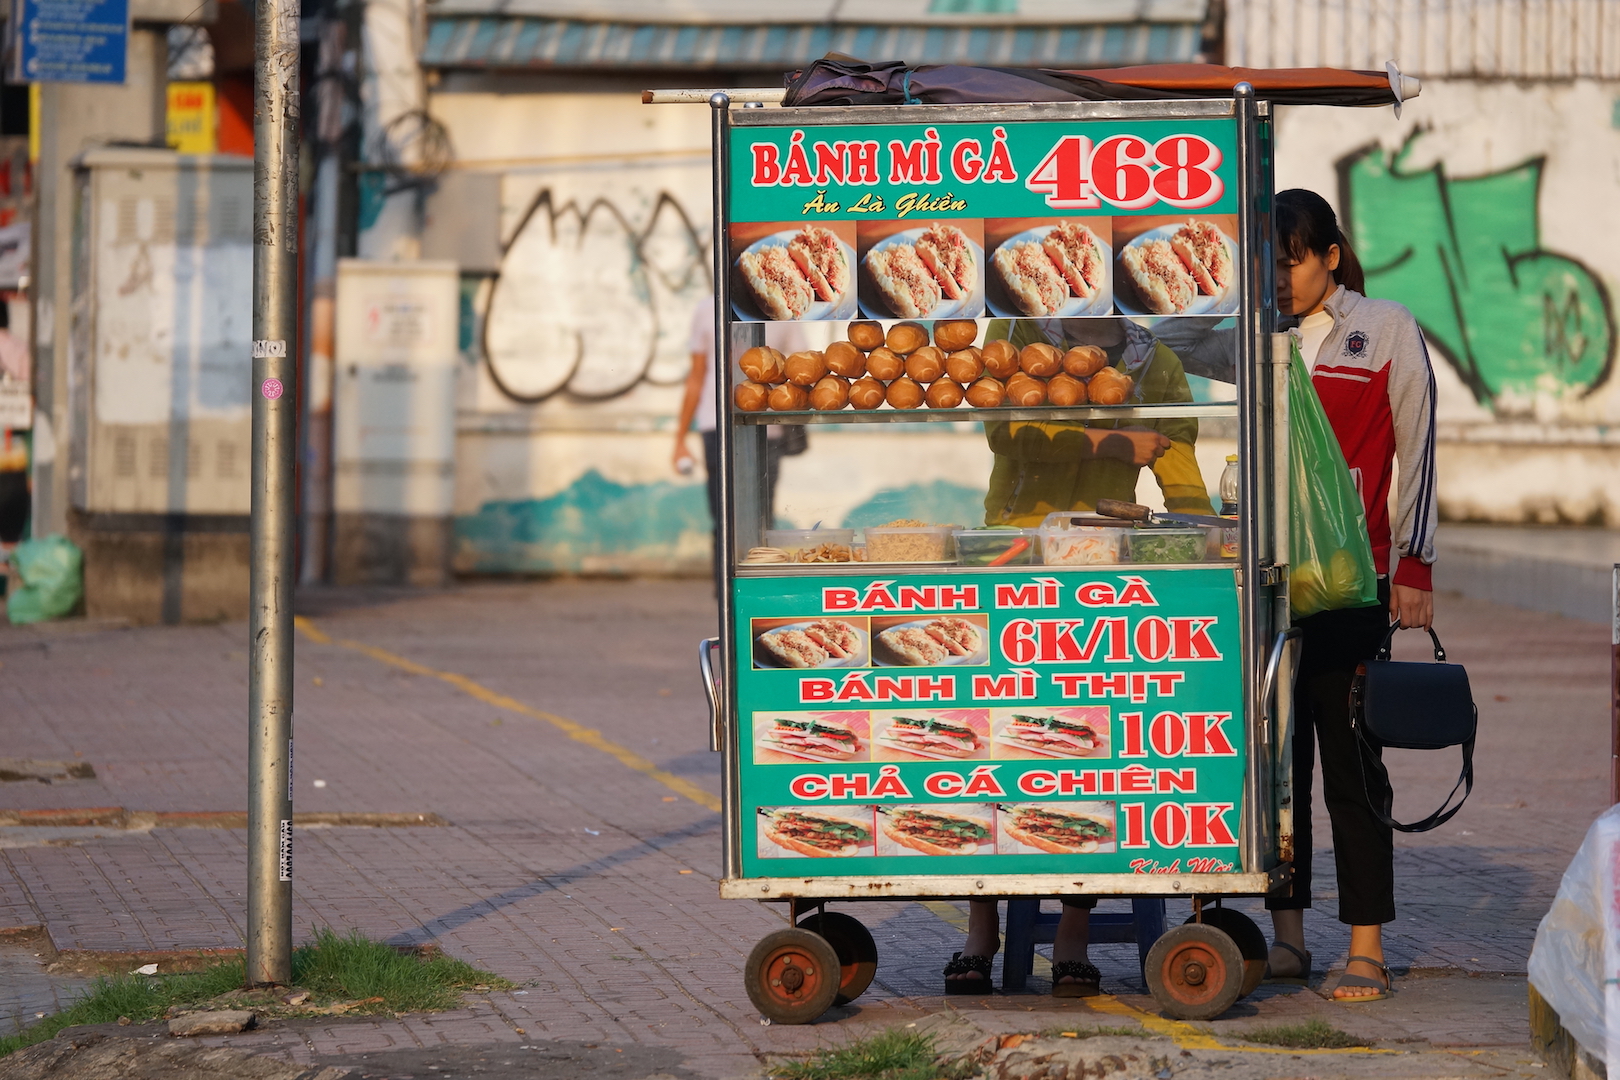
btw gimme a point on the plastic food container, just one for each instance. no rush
(813, 545)
(911, 544)
(1071, 539)
(1183, 544)
(997, 547)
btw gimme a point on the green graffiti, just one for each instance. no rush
(1465, 255)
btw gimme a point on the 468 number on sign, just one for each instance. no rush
(1128, 172)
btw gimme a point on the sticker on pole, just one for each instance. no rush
(271, 389)
(265, 350)
(285, 862)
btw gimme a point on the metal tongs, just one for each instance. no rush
(1129, 511)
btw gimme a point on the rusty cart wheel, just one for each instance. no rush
(857, 952)
(792, 976)
(1247, 937)
(1195, 972)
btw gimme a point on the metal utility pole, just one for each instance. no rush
(275, 409)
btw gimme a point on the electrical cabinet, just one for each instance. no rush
(161, 333)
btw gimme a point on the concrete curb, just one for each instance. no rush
(1557, 1047)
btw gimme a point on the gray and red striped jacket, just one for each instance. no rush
(1377, 388)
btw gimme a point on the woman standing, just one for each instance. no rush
(1371, 370)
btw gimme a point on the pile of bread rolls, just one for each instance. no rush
(901, 367)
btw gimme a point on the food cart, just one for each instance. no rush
(1084, 707)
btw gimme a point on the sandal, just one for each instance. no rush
(1385, 988)
(1304, 976)
(1087, 979)
(968, 965)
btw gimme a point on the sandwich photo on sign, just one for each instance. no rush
(1074, 828)
(936, 829)
(796, 737)
(811, 643)
(921, 269)
(1044, 267)
(787, 271)
(815, 832)
(931, 735)
(1181, 265)
(936, 641)
(1030, 731)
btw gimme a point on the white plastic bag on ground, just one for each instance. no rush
(1576, 955)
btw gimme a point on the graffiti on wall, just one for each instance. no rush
(592, 303)
(1464, 253)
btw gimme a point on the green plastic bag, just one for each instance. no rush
(1331, 564)
(52, 580)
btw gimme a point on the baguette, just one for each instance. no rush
(820, 257)
(1031, 281)
(781, 839)
(777, 285)
(1059, 844)
(1043, 844)
(1160, 277)
(907, 288)
(893, 830)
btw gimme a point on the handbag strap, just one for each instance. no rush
(1389, 639)
(1365, 750)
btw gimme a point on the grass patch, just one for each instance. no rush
(1091, 1032)
(892, 1055)
(352, 967)
(331, 968)
(1314, 1034)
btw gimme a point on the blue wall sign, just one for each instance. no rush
(82, 41)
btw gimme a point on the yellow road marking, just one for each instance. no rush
(1189, 1037)
(950, 913)
(1185, 1035)
(576, 731)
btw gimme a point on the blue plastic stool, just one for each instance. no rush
(1028, 926)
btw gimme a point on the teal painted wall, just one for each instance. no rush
(592, 526)
(598, 526)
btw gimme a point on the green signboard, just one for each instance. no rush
(1047, 721)
(961, 221)
(895, 171)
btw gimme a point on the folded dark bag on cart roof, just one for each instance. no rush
(1414, 707)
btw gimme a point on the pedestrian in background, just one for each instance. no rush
(1371, 370)
(697, 404)
(15, 499)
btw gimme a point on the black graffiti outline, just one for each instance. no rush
(543, 199)
(1467, 367)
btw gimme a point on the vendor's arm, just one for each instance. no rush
(1181, 481)
(1068, 441)
(1205, 347)
(689, 407)
(1177, 472)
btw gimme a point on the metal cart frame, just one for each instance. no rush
(1266, 830)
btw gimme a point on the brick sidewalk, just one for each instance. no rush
(562, 869)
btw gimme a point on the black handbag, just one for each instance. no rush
(1413, 707)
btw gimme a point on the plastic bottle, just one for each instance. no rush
(1229, 507)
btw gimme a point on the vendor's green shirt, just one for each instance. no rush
(1045, 466)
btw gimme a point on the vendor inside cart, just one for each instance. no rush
(1046, 466)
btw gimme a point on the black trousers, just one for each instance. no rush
(1363, 847)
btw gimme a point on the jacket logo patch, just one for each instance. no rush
(1356, 344)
